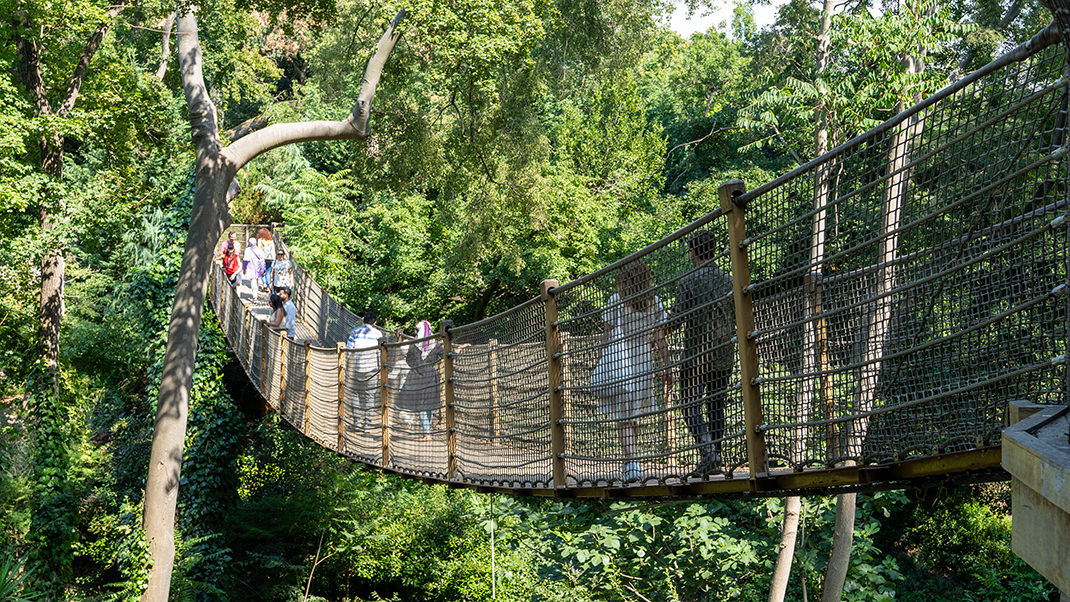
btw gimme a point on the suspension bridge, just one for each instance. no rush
(865, 322)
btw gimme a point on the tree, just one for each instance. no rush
(31, 24)
(215, 169)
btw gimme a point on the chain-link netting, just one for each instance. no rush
(651, 389)
(501, 399)
(903, 289)
(908, 285)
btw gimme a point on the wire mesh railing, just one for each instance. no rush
(874, 309)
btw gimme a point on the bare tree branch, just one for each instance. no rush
(354, 127)
(203, 118)
(165, 46)
(1012, 13)
(82, 67)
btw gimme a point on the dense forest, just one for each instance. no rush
(512, 141)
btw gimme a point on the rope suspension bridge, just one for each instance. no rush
(863, 320)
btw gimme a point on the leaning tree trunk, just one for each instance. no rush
(814, 354)
(215, 169)
(878, 329)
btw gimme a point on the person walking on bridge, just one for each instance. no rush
(421, 393)
(363, 367)
(288, 318)
(623, 379)
(282, 275)
(704, 306)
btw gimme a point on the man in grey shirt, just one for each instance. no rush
(705, 308)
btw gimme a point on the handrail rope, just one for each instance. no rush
(922, 347)
(459, 347)
(534, 460)
(650, 289)
(837, 277)
(541, 392)
(464, 328)
(1046, 37)
(664, 242)
(541, 427)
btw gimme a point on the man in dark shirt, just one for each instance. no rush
(705, 307)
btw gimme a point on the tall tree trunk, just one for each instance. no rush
(878, 329)
(53, 264)
(789, 531)
(215, 170)
(813, 344)
(840, 558)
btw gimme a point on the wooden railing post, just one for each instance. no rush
(492, 374)
(341, 396)
(447, 389)
(282, 375)
(384, 401)
(757, 458)
(557, 402)
(308, 387)
(566, 376)
(246, 357)
(265, 382)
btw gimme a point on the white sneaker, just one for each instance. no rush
(631, 471)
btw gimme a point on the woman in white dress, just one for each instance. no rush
(635, 321)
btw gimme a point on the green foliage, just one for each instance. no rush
(962, 540)
(15, 577)
(865, 80)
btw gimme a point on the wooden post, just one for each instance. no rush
(492, 372)
(566, 377)
(265, 382)
(447, 375)
(384, 402)
(282, 374)
(757, 459)
(245, 350)
(308, 386)
(341, 396)
(553, 356)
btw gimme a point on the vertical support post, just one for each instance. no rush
(308, 387)
(492, 372)
(448, 393)
(341, 396)
(282, 375)
(757, 458)
(384, 401)
(265, 381)
(566, 376)
(245, 357)
(557, 401)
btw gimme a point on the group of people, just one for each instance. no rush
(262, 268)
(636, 323)
(421, 387)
